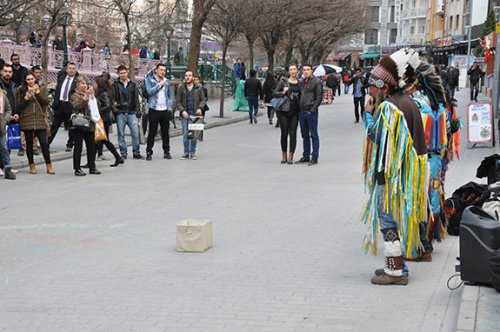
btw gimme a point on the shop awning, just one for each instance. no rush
(341, 56)
(370, 56)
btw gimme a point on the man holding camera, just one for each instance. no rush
(359, 86)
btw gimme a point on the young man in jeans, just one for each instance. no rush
(253, 90)
(190, 101)
(160, 110)
(5, 116)
(311, 89)
(127, 111)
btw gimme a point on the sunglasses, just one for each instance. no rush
(378, 83)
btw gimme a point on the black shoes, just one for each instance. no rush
(94, 171)
(20, 153)
(118, 161)
(149, 157)
(167, 155)
(302, 160)
(313, 162)
(137, 156)
(85, 166)
(79, 172)
(9, 175)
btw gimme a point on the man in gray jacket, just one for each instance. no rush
(190, 101)
(311, 89)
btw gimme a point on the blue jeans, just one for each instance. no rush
(4, 151)
(309, 130)
(253, 107)
(123, 119)
(189, 144)
(346, 89)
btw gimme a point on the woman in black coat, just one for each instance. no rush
(268, 87)
(103, 95)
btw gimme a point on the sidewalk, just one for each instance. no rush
(59, 144)
(480, 305)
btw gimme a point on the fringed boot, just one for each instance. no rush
(393, 272)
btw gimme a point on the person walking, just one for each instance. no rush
(159, 110)
(5, 117)
(346, 76)
(289, 87)
(103, 96)
(252, 91)
(33, 100)
(268, 88)
(359, 86)
(190, 102)
(127, 111)
(332, 82)
(80, 100)
(198, 80)
(475, 74)
(452, 80)
(311, 95)
(66, 84)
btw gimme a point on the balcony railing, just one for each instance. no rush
(87, 61)
(420, 12)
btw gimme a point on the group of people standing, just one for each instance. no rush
(102, 104)
(303, 98)
(411, 136)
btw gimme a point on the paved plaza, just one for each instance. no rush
(98, 253)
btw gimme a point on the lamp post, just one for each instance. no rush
(469, 33)
(65, 21)
(169, 32)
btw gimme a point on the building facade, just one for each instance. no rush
(412, 22)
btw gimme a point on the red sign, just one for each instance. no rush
(441, 42)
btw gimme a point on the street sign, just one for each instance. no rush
(480, 125)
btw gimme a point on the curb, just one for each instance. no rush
(174, 132)
(468, 309)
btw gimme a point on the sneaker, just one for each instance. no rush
(149, 157)
(193, 157)
(302, 160)
(385, 279)
(79, 172)
(69, 148)
(94, 171)
(313, 162)
(9, 174)
(255, 119)
(14, 170)
(1, 172)
(20, 153)
(167, 155)
(138, 156)
(184, 156)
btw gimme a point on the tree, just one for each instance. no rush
(10, 10)
(489, 24)
(201, 9)
(250, 26)
(223, 24)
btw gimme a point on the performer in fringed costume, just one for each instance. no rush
(430, 94)
(395, 169)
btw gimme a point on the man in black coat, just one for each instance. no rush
(66, 85)
(475, 74)
(19, 71)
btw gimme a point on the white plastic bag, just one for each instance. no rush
(94, 110)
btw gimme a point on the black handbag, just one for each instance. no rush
(80, 121)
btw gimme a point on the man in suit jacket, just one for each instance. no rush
(62, 107)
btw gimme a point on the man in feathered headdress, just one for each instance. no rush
(395, 169)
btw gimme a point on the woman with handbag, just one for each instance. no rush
(288, 116)
(103, 95)
(80, 100)
(32, 104)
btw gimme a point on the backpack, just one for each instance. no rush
(345, 78)
(467, 195)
